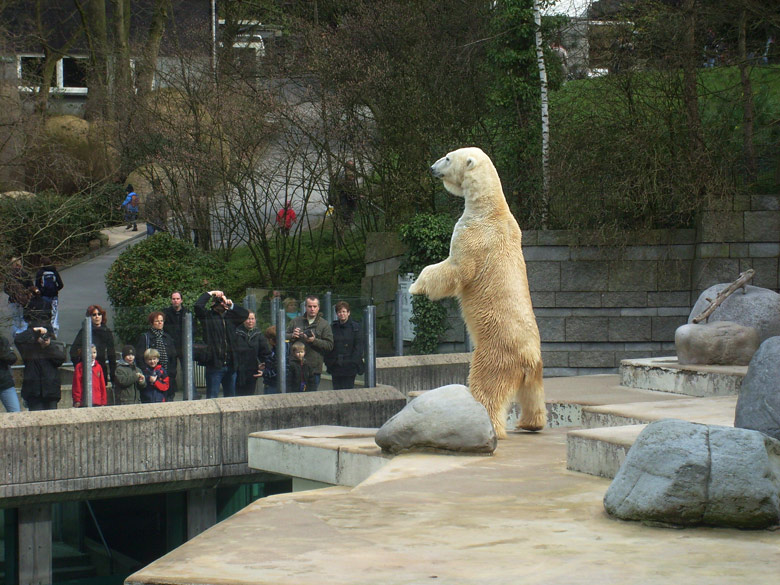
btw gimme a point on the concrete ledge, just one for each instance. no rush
(78, 453)
(666, 375)
(327, 454)
(600, 452)
(423, 372)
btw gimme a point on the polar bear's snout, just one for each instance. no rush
(437, 168)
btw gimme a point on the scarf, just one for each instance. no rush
(157, 342)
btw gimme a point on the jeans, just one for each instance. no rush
(42, 404)
(10, 400)
(18, 324)
(317, 378)
(55, 314)
(226, 376)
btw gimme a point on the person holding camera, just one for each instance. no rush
(219, 323)
(42, 358)
(315, 333)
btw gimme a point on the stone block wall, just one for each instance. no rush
(596, 305)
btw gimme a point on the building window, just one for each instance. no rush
(69, 76)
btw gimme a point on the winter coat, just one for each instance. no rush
(251, 350)
(99, 393)
(322, 344)
(346, 357)
(41, 366)
(126, 382)
(7, 359)
(300, 377)
(155, 391)
(145, 341)
(103, 338)
(174, 326)
(219, 332)
(48, 281)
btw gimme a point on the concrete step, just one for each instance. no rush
(568, 397)
(664, 374)
(602, 448)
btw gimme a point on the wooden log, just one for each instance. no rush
(740, 283)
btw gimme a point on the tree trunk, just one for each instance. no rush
(93, 16)
(545, 115)
(122, 80)
(690, 83)
(748, 147)
(146, 65)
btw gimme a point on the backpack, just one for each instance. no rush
(134, 200)
(49, 284)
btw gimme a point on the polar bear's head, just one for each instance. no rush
(466, 171)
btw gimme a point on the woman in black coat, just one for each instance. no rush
(156, 337)
(103, 338)
(252, 353)
(42, 358)
(345, 360)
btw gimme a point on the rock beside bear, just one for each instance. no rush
(755, 307)
(446, 419)
(718, 343)
(687, 474)
(758, 405)
(486, 272)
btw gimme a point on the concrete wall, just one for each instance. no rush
(112, 451)
(596, 304)
(423, 372)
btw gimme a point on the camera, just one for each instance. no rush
(307, 332)
(45, 337)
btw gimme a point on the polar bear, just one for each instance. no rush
(486, 272)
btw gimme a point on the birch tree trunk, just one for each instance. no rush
(545, 114)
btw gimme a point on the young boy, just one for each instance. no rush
(130, 205)
(99, 394)
(129, 380)
(300, 376)
(157, 381)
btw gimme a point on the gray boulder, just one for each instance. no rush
(446, 418)
(688, 474)
(758, 405)
(756, 307)
(718, 343)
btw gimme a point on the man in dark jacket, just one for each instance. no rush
(42, 357)
(345, 360)
(175, 314)
(219, 323)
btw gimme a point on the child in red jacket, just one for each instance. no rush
(99, 394)
(157, 381)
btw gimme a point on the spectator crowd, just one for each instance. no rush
(235, 354)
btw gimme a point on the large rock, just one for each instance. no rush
(688, 474)
(756, 307)
(718, 343)
(446, 418)
(758, 405)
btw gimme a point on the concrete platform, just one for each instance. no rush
(518, 516)
(664, 374)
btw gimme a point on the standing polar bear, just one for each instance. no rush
(486, 272)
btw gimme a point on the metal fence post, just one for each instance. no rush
(276, 304)
(86, 361)
(281, 352)
(186, 359)
(399, 328)
(328, 307)
(370, 333)
(467, 340)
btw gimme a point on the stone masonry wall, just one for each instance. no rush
(597, 305)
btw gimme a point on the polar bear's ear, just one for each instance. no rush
(470, 162)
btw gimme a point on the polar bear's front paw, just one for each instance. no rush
(416, 288)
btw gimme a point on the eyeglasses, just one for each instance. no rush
(96, 314)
